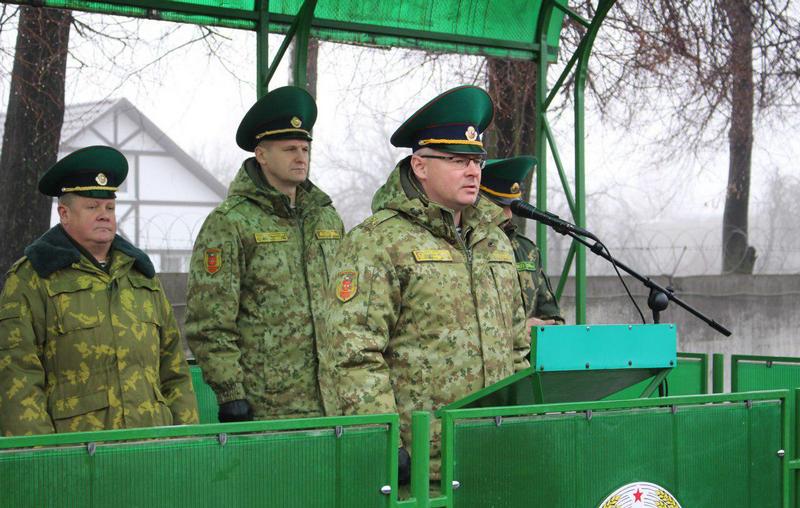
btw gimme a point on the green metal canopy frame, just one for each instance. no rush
(520, 29)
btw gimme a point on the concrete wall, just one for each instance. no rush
(762, 311)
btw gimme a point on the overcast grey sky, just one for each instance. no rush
(196, 92)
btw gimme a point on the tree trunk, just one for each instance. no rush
(512, 85)
(737, 255)
(33, 126)
(311, 71)
(311, 65)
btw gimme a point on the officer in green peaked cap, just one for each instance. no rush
(502, 179)
(427, 280)
(453, 122)
(288, 112)
(284, 230)
(82, 284)
(94, 171)
(501, 182)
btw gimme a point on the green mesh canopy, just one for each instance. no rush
(504, 28)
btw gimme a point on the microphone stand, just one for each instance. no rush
(659, 297)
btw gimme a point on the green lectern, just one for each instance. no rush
(583, 363)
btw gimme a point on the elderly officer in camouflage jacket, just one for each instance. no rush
(88, 340)
(259, 269)
(501, 182)
(424, 304)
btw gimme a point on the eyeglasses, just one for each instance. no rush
(458, 161)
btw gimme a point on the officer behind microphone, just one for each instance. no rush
(501, 183)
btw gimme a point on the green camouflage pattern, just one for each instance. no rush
(84, 350)
(537, 294)
(428, 317)
(252, 324)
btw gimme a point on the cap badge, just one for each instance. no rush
(101, 179)
(471, 133)
(296, 122)
(515, 187)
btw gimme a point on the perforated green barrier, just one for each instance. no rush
(751, 372)
(322, 462)
(690, 377)
(722, 454)
(206, 399)
(711, 450)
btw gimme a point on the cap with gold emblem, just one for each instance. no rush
(452, 122)
(288, 112)
(501, 179)
(94, 171)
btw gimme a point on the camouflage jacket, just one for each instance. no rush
(257, 276)
(82, 349)
(537, 295)
(416, 316)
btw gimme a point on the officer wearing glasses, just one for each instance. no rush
(423, 305)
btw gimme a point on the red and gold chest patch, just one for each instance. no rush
(213, 260)
(347, 286)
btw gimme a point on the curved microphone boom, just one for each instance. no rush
(528, 211)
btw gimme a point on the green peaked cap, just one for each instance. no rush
(288, 112)
(501, 179)
(452, 122)
(94, 171)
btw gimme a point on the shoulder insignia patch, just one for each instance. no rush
(272, 236)
(17, 264)
(230, 203)
(213, 260)
(327, 234)
(377, 218)
(347, 285)
(435, 256)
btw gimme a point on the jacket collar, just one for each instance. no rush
(54, 251)
(251, 184)
(403, 192)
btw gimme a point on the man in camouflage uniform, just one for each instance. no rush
(423, 305)
(259, 270)
(88, 340)
(501, 182)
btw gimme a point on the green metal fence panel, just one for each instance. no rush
(206, 399)
(703, 454)
(690, 377)
(328, 466)
(503, 28)
(751, 372)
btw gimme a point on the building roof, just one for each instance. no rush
(81, 116)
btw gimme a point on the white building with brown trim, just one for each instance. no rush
(167, 195)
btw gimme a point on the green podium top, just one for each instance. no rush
(603, 347)
(583, 363)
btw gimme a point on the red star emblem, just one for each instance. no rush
(637, 496)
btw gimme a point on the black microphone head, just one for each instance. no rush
(517, 205)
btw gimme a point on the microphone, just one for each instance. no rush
(528, 211)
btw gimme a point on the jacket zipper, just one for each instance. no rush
(468, 253)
